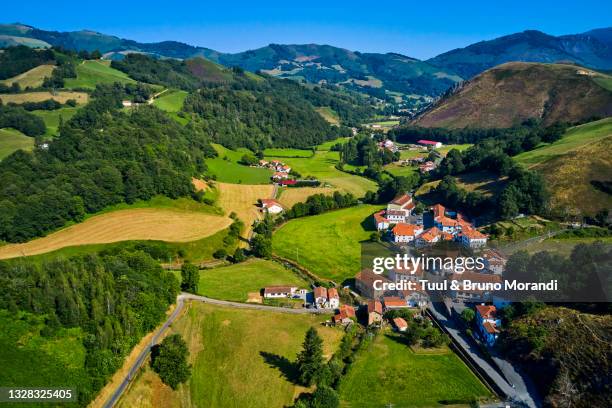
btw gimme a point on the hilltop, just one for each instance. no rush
(591, 49)
(513, 92)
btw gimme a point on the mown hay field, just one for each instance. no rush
(132, 224)
(32, 78)
(60, 96)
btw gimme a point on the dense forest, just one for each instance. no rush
(17, 60)
(363, 150)
(102, 156)
(111, 299)
(17, 117)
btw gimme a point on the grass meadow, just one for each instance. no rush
(52, 118)
(234, 282)
(329, 115)
(327, 244)
(91, 73)
(249, 353)
(12, 140)
(32, 78)
(226, 169)
(171, 101)
(390, 373)
(60, 96)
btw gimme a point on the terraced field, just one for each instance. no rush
(124, 225)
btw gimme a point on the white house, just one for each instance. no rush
(404, 233)
(494, 261)
(382, 223)
(403, 202)
(396, 216)
(472, 238)
(271, 206)
(333, 299)
(272, 292)
(320, 297)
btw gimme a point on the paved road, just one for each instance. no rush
(180, 303)
(520, 392)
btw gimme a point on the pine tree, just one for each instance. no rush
(310, 360)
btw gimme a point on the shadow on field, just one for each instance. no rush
(287, 368)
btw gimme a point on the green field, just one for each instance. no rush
(52, 118)
(11, 140)
(287, 153)
(226, 169)
(240, 358)
(573, 139)
(397, 170)
(90, 73)
(326, 244)
(171, 101)
(328, 145)
(322, 166)
(389, 373)
(234, 282)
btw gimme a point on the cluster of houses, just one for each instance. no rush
(281, 171)
(407, 228)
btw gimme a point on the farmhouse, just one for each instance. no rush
(400, 324)
(375, 312)
(280, 175)
(395, 216)
(430, 143)
(427, 167)
(431, 236)
(488, 323)
(403, 202)
(320, 297)
(345, 315)
(389, 145)
(271, 206)
(364, 283)
(271, 292)
(494, 261)
(381, 222)
(403, 233)
(333, 299)
(472, 238)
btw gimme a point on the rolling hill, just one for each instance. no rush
(592, 49)
(513, 92)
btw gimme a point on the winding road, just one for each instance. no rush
(180, 303)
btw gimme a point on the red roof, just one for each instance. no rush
(379, 217)
(401, 200)
(348, 310)
(438, 210)
(430, 234)
(394, 301)
(491, 328)
(320, 292)
(268, 202)
(374, 306)
(486, 311)
(332, 293)
(406, 229)
(427, 142)
(400, 323)
(473, 234)
(288, 182)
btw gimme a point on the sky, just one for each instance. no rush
(419, 29)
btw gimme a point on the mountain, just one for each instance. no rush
(370, 72)
(516, 91)
(591, 49)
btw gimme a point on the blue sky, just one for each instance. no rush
(420, 29)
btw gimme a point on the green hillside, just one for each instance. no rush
(11, 140)
(90, 73)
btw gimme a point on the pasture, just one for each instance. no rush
(249, 353)
(287, 153)
(290, 195)
(328, 145)
(60, 96)
(91, 73)
(171, 101)
(32, 78)
(573, 139)
(388, 372)
(309, 241)
(242, 199)
(52, 118)
(234, 282)
(162, 224)
(329, 115)
(322, 166)
(226, 169)
(11, 140)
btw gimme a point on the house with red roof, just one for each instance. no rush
(394, 302)
(494, 261)
(320, 297)
(404, 233)
(280, 176)
(375, 312)
(365, 284)
(472, 238)
(345, 315)
(400, 324)
(488, 323)
(402, 202)
(382, 223)
(430, 143)
(333, 298)
(271, 206)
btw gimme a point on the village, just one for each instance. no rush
(406, 231)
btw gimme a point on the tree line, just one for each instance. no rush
(115, 298)
(16, 117)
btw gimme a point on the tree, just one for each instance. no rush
(310, 360)
(190, 276)
(325, 397)
(261, 246)
(468, 316)
(220, 253)
(169, 360)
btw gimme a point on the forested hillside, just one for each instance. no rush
(71, 322)
(102, 156)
